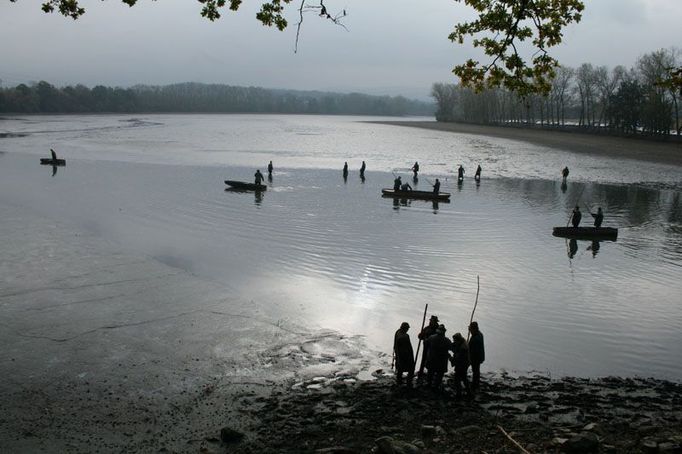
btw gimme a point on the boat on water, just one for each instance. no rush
(587, 233)
(52, 162)
(241, 185)
(423, 195)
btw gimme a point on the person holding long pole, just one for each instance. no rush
(425, 333)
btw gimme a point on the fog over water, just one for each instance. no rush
(334, 254)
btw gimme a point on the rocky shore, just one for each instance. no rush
(532, 413)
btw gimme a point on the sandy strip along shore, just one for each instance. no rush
(652, 151)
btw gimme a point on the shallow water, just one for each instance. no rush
(335, 254)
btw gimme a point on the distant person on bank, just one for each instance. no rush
(404, 355)
(460, 361)
(476, 355)
(437, 359)
(428, 331)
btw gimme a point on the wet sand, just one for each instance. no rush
(662, 152)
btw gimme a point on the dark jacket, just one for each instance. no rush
(404, 355)
(460, 360)
(476, 348)
(438, 347)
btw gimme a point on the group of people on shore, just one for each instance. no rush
(439, 351)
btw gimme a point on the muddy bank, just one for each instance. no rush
(651, 151)
(343, 415)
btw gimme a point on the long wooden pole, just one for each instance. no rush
(478, 288)
(419, 344)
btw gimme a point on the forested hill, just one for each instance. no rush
(196, 97)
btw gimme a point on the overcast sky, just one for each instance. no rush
(391, 47)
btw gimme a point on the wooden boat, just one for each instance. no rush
(246, 186)
(52, 162)
(424, 195)
(587, 233)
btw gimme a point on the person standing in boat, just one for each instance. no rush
(396, 183)
(576, 216)
(477, 176)
(403, 354)
(564, 173)
(405, 187)
(476, 355)
(436, 187)
(362, 169)
(270, 168)
(415, 168)
(54, 156)
(258, 176)
(345, 169)
(460, 173)
(598, 217)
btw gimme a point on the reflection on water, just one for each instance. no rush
(337, 255)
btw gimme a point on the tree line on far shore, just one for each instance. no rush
(42, 97)
(642, 100)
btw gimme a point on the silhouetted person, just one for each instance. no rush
(405, 187)
(436, 187)
(437, 358)
(477, 176)
(345, 169)
(564, 173)
(362, 169)
(428, 331)
(576, 216)
(270, 169)
(396, 184)
(415, 168)
(54, 156)
(258, 176)
(476, 355)
(460, 173)
(572, 248)
(598, 217)
(404, 356)
(460, 361)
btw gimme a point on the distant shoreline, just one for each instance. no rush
(616, 147)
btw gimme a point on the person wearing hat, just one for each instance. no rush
(476, 355)
(439, 348)
(460, 362)
(404, 355)
(427, 332)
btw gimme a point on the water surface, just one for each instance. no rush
(335, 254)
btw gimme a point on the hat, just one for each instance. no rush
(404, 325)
(434, 317)
(473, 325)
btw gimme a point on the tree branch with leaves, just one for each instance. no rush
(499, 29)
